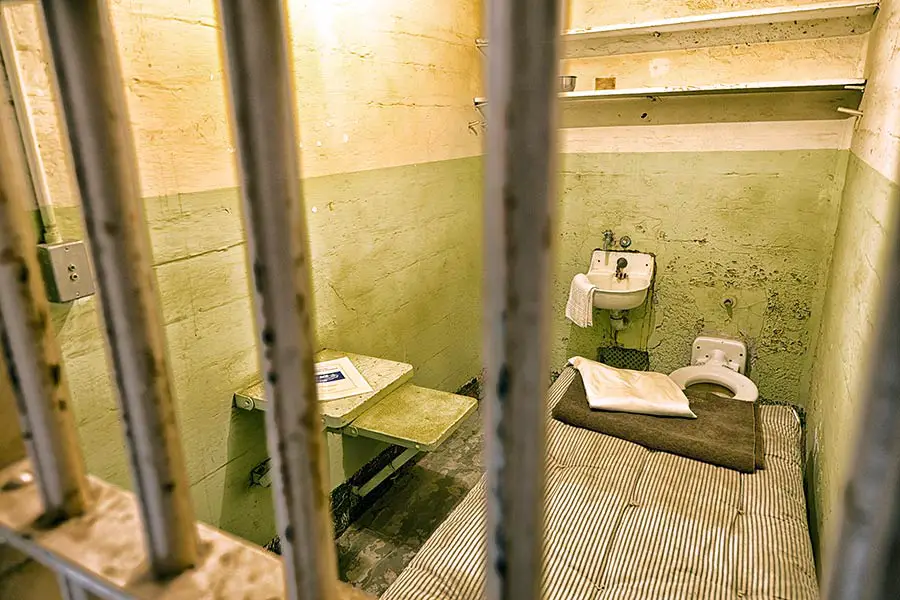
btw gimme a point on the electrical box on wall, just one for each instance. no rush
(66, 270)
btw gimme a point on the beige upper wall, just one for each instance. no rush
(710, 137)
(594, 13)
(877, 139)
(826, 58)
(352, 115)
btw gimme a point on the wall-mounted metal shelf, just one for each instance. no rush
(768, 87)
(761, 25)
(841, 86)
(720, 103)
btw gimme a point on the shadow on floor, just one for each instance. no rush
(381, 542)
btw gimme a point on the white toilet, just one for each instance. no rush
(720, 362)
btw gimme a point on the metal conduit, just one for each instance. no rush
(31, 352)
(518, 229)
(255, 45)
(50, 230)
(92, 98)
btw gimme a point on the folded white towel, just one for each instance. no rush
(580, 307)
(621, 390)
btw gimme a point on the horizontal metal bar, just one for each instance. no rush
(102, 551)
(92, 97)
(31, 352)
(254, 37)
(518, 230)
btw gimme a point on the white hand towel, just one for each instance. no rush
(580, 307)
(621, 390)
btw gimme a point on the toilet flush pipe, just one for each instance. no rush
(50, 233)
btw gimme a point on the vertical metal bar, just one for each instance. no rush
(32, 354)
(50, 233)
(49, 429)
(93, 102)
(519, 201)
(262, 102)
(866, 564)
(69, 590)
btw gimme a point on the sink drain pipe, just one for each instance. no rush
(618, 319)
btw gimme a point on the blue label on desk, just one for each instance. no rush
(329, 376)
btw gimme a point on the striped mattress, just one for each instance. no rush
(623, 522)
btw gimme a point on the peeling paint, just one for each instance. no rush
(755, 227)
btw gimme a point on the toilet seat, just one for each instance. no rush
(740, 386)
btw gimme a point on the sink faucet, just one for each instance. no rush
(620, 268)
(608, 239)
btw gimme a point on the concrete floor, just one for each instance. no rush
(381, 542)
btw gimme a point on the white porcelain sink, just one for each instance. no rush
(620, 294)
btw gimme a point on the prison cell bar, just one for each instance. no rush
(518, 227)
(258, 73)
(33, 356)
(91, 93)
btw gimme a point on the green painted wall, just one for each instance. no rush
(848, 328)
(397, 266)
(396, 269)
(755, 226)
(865, 233)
